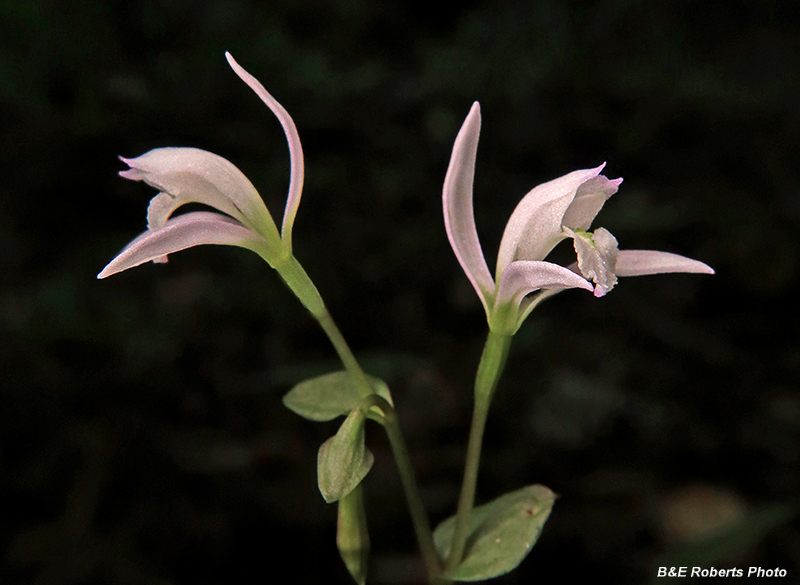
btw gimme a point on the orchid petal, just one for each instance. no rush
(295, 149)
(597, 257)
(643, 262)
(535, 226)
(525, 276)
(459, 218)
(185, 231)
(191, 175)
(589, 199)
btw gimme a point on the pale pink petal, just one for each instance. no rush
(530, 302)
(459, 219)
(589, 199)
(535, 226)
(191, 175)
(185, 231)
(295, 149)
(642, 262)
(525, 276)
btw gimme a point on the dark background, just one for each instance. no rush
(143, 437)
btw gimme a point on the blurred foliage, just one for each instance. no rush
(143, 438)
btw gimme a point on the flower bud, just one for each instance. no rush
(352, 537)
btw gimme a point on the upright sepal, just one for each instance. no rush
(501, 533)
(459, 219)
(343, 460)
(295, 149)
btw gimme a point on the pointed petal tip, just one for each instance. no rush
(132, 172)
(474, 115)
(645, 262)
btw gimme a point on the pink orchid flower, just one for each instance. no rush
(553, 211)
(191, 175)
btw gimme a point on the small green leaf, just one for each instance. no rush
(343, 460)
(326, 397)
(501, 533)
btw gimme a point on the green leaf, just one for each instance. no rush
(326, 397)
(343, 460)
(501, 533)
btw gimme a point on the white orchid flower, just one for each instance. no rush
(553, 211)
(191, 175)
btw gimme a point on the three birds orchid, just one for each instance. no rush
(551, 212)
(191, 175)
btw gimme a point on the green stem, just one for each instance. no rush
(345, 354)
(419, 518)
(299, 282)
(302, 286)
(493, 360)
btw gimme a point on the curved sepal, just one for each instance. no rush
(295, 149)
(185, 231)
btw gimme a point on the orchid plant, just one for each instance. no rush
(478, 542)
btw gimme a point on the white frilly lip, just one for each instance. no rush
(185, 231)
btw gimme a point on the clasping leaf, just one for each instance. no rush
(325, 397)
(501, 533)
(343, 460)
